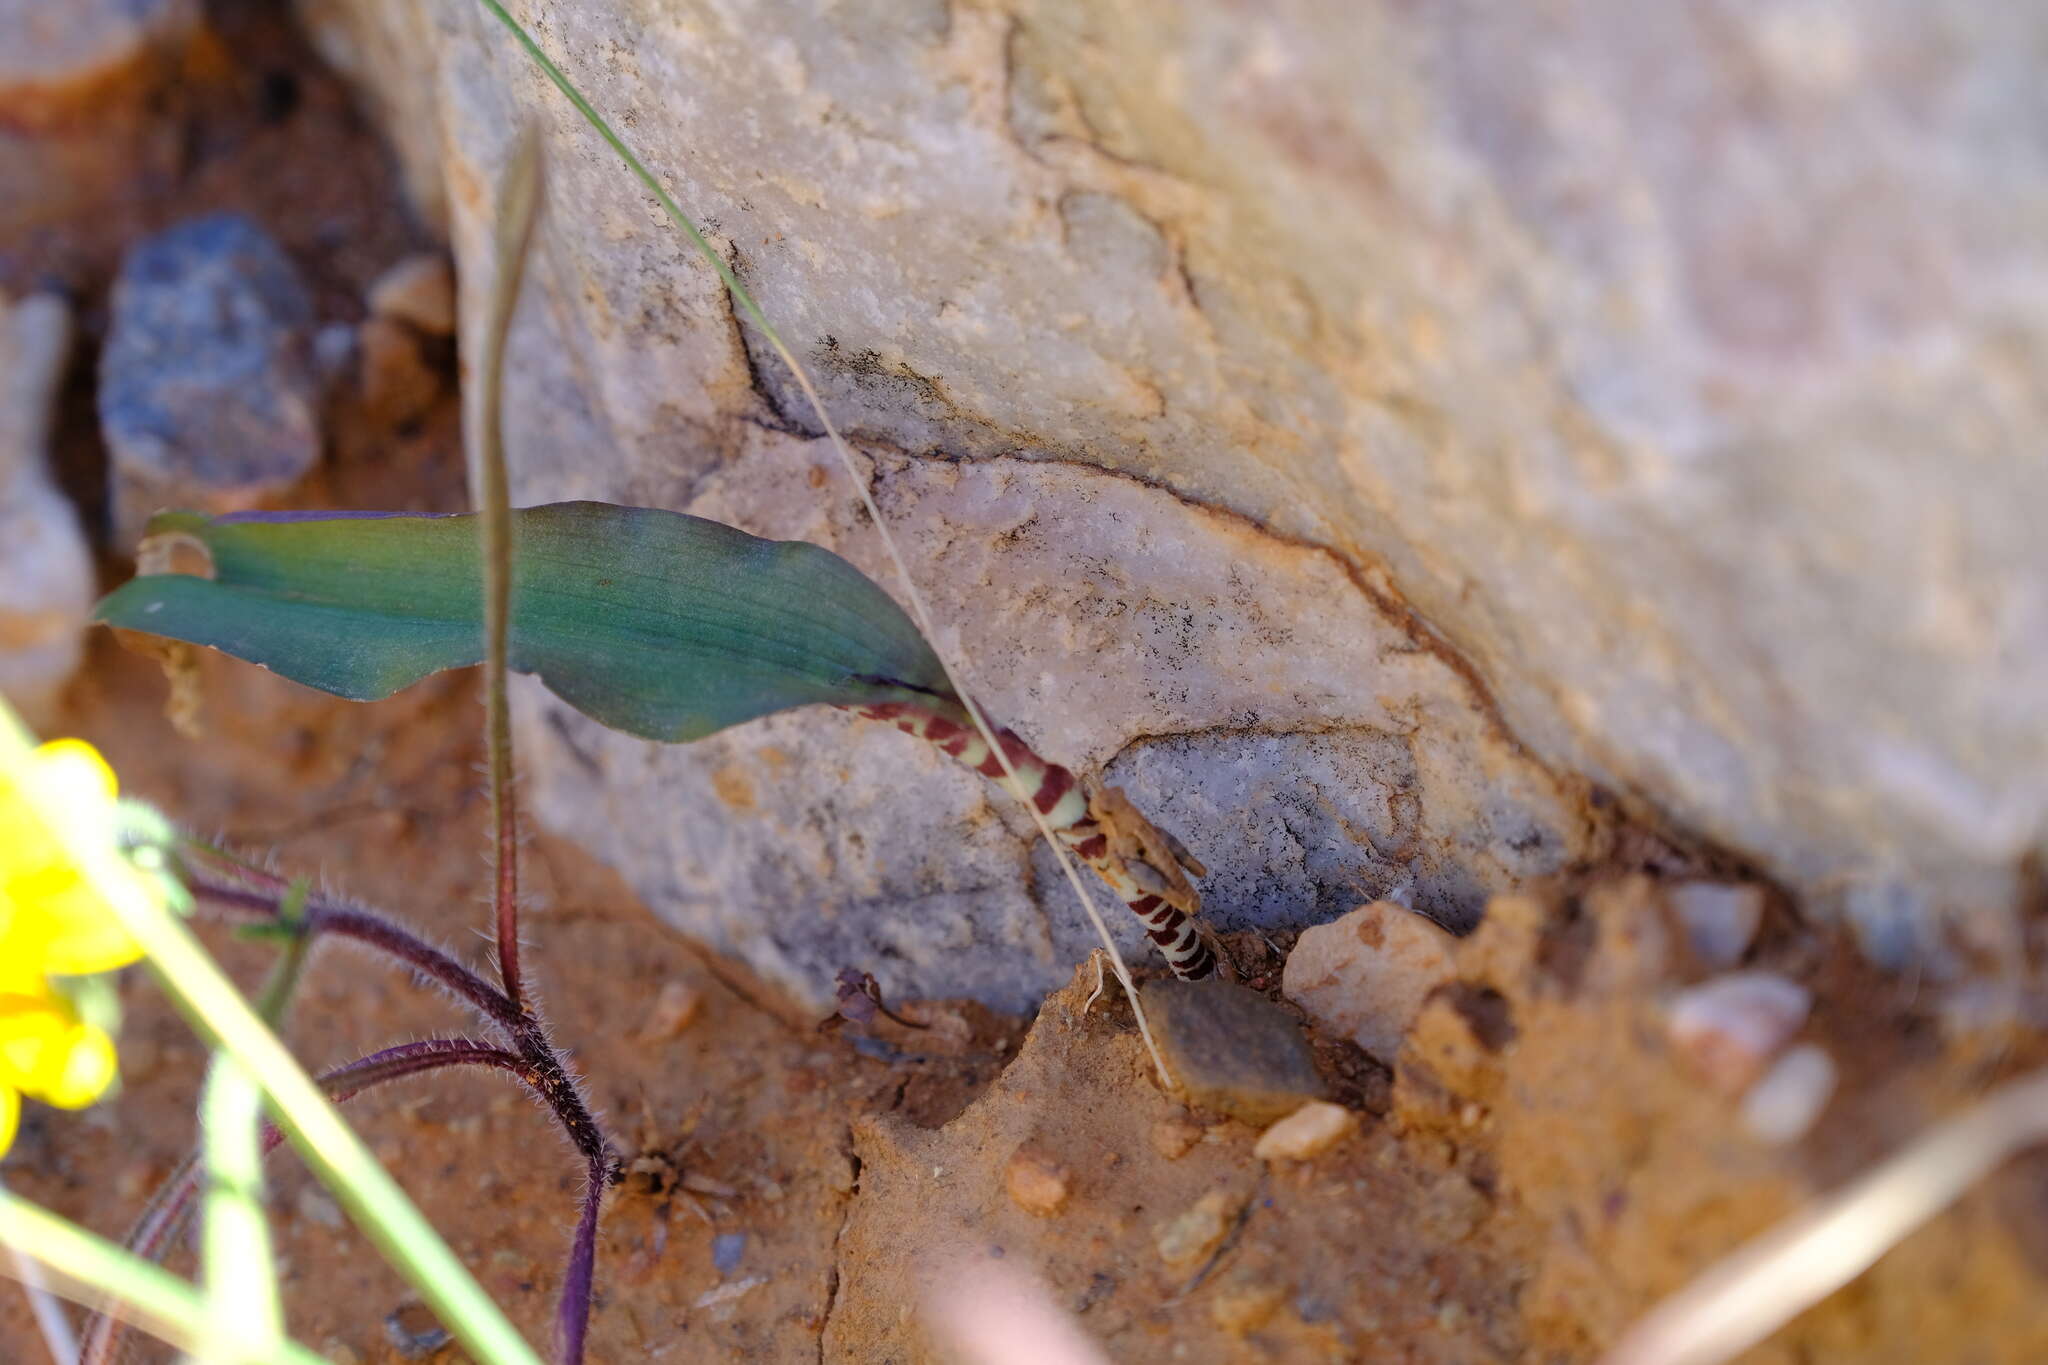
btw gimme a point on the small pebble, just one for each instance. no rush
(1451, 1211)
(413, 1332)
(1308, 1131)
(1732, 1026)
(1365, 976)
(1172, 1138)
(1193, 1235)
(419, 290)
(138, 1181)
(726, 1293)
(316, 1205)
(726, 1250)
(1036, 1183)
(674, 1010)
(1720, 919)
(1782, 1107)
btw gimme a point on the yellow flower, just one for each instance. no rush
(49, 1053)
(52, 923)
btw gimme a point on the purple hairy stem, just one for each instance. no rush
(367, 927)
(572, 1314)
(236, 885)
(410, 1059)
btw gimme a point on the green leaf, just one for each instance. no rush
(662, 625)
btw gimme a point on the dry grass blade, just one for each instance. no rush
(518, 204)
(1767, 1283)
(913, 597)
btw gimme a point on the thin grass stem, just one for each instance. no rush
(519, 198)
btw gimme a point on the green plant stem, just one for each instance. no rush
(518, 203)
(276, 999)
(374, 1200)
(245, 1318)
(87, 1267)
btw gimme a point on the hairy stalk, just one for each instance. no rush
(518, 199)
(920, 613)
(276, 999)
(572, 1314)
(171, 1205)
(529, 1050)
(521, 1030)
(369, 928)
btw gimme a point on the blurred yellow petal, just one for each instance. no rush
(48, 1052)
(33, 1029)
(49, 916)
(83, 1069)
(52, 923)
(73, 771)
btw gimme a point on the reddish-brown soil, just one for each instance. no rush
(1530, 1176)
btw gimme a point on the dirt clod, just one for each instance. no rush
(1186, 1239)
(1037, 1184)
(1171, 1138)
(675, 1009)
(1241, 1309)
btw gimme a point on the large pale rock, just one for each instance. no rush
(1682, 367)
(46, 572)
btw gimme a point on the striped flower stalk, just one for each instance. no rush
(1146, 867)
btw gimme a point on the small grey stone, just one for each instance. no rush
(1720, 919)
(208, 393)
(1231, 1049)
(726, 1250)
(413, 1332)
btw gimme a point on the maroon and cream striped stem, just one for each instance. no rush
(1159, 896)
